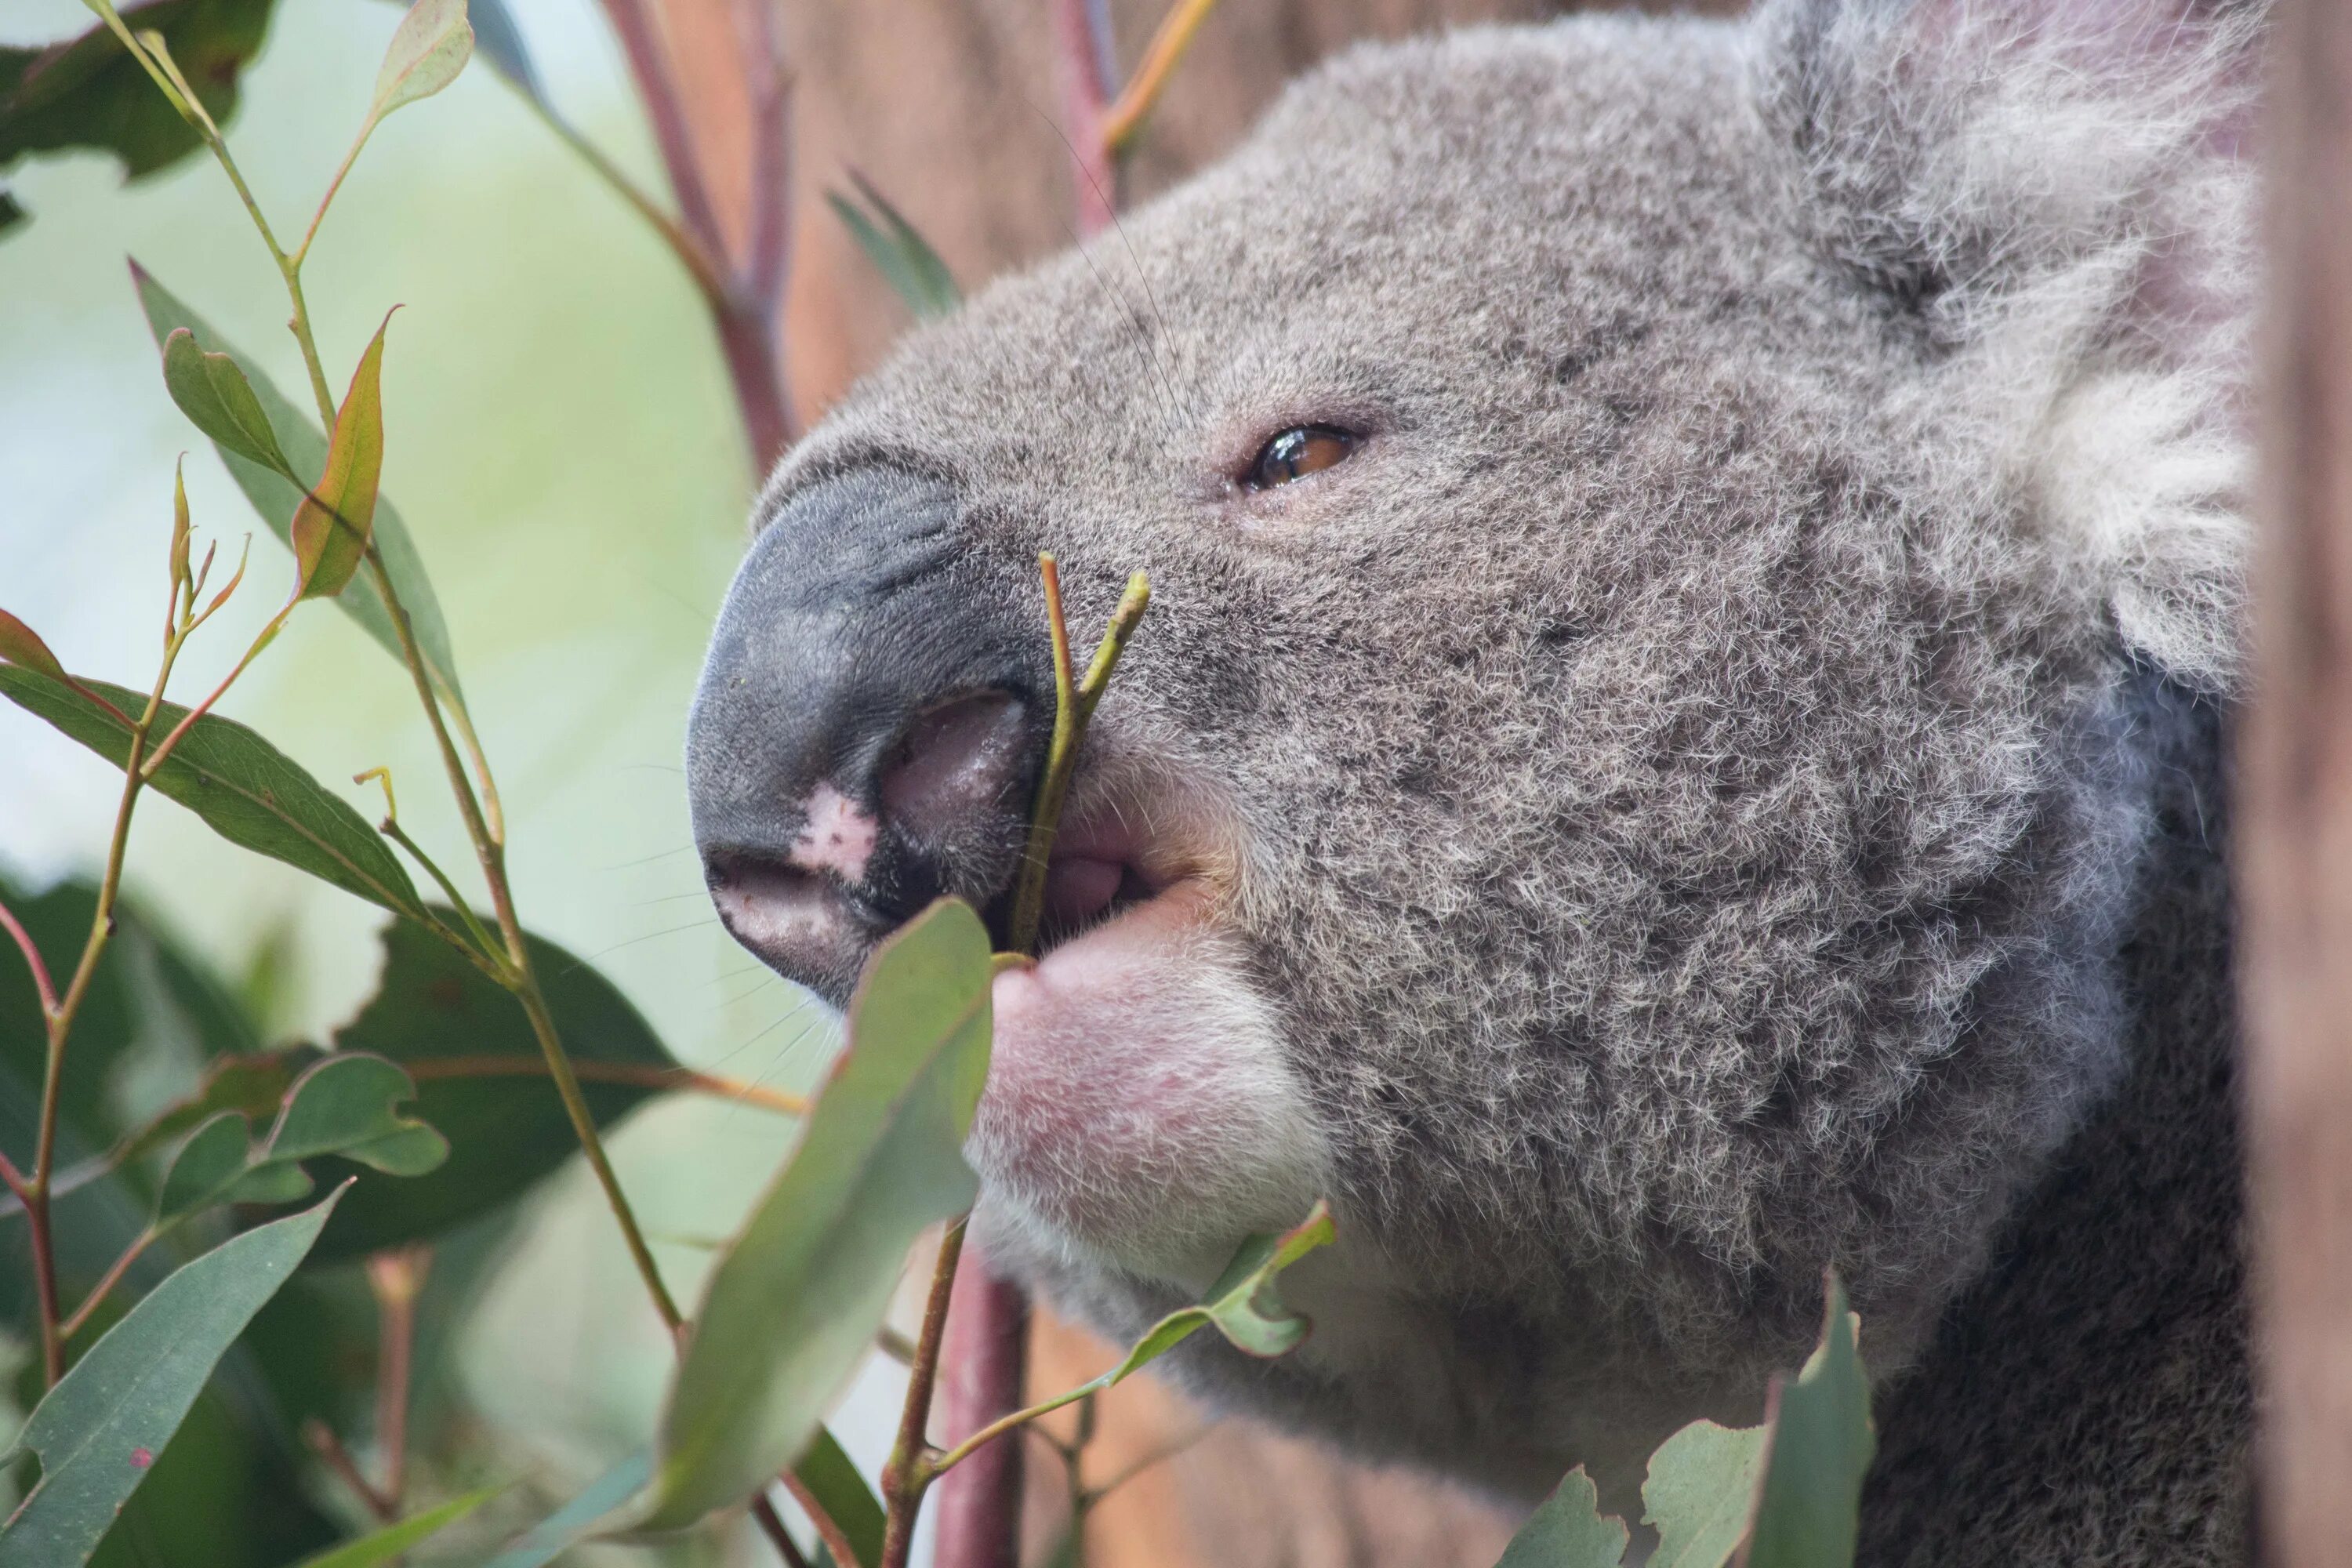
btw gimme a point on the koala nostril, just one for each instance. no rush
(791, 916)
(958, 768)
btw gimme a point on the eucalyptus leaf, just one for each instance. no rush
(208, 1165)
(386, 1545)
(341, 1105)
(427, 51)
(89, 92)
(1821, 1446)
(245, 789)
(433, 1012)
(898, 251)
(21, 645)
(500, 42)
(549, 1539)
(792, 1309)
(277, 498)
(1700, 1492)
(218, 400)
(1568, 1529)
(833, 1480)
(98, 1431)
(335, 521)
(345, 1105)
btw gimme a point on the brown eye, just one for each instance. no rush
(1301, 450)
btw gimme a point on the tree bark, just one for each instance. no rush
(2295, 778)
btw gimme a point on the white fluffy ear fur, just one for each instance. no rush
(2055, 200)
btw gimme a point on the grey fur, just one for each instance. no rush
(1726, 777)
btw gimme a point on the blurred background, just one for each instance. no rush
(563, 444)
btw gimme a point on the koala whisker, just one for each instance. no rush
(1118, 301)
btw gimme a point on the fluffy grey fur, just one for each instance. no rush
(1723, 781)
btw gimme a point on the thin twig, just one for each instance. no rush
(1086, 99)
(107, 1282)
(636, 1074)
(330, 1448)
(395, 1279)
(836, 1541)
(908, 1471)
(913, 1463)
(32, 961)
(1123, 121)
(772, 1525)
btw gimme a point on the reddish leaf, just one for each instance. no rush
(331, 528)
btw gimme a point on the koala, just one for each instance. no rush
(1679, 743)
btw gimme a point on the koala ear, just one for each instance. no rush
(2053, 200)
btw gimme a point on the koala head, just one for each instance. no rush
(1631, 782)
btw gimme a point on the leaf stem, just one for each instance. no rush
(394, 1277)
(32, 961)
(907, 1475)
(60, 1020)
(640, 1075)
(1074, 706)
(1123, 121)
(913, 1463)
(772, 1525)
(107, 1282)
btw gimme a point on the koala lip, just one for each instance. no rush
(1098, 871)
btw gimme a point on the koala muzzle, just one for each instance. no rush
(866, 735)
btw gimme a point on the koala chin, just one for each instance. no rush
(1679, 743)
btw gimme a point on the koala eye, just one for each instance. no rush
(1301, 450)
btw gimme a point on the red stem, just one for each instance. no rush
(33, 961)
(1084, 102)
(649, 67)
(982, 1373)
(744, 303)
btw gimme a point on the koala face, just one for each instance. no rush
(1628, 785)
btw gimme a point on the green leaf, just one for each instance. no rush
(209, 1163)
(501, 43)
(217, 399)
(388, 1543)
(332, 524)
(792, 1310)
(1821, 1446)
(902, 255)
(547, 1540)
(341, 1105)
(253, 1084)
(21, 645)
(88, 92)
(1700, 1492)
(277, 498)
(245, 789)
(832, 1478)
(1242, 1303)
(1568, 1531)
(99, 1430)
(428, 49)
(433, 1012)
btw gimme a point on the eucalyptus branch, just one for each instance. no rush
(772, 1525)
(638, 1074)
(516, 972)
(107, 1282)
(59, 1015)
(41, 983)
(914, 1463)
(908, 1474)
(1123, 120)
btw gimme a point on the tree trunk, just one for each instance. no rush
(2295, 778)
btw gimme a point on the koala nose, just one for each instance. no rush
(865, 737)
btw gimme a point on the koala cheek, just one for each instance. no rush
(1140, 1109)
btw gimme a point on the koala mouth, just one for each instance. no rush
(1098, 871)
